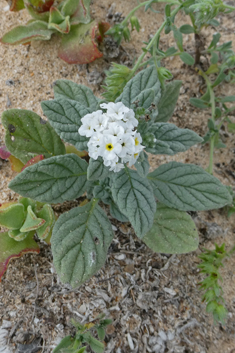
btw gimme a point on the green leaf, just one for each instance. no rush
(80, 241)
(186, 29)
(31, 222)
(134, 197)
(168, 101)
(78, 10)
(142, 164)
(96, 345)
(17, 235)
(13, 216)
(214, 58)
(101, 333)
(187, 58)
(16, 5)
(144, 84)
(65, 117)
(66, 342)
(188, 187)
(173, 232)
(53, 180)
(96, 169)
(176, 139)
(199, 103)
(65, 89)
(116, 213)
(178, 38)
(48, 215)
(227, 99)
(36, 30)
(11, 249)
(58, 22)
(28, 135)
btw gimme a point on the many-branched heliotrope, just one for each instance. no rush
(156, 202)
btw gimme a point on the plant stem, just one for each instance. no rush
(131, 13)
(152, 42)
(212, 102)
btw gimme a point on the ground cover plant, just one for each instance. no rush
(70, 19)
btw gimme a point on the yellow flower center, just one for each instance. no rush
(136, 141)
(136, 154)
(109, 146)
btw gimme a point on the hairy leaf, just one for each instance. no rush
(35, 30)
(134, 197)
(96, 169)
(168, 101)
(65, 117)
(144, 89)
(188, 187)
(28, 135)
(65, 89)
(11, 249)
(173, 232)
(80, 241)
(116, 213)
(176, 139)
(53, 180)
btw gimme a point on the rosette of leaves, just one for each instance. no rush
(23, 219)
(155, 203)
(68, 18)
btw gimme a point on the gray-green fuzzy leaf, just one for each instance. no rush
(116, 213)
(96, 169)
(173, 232)
(65, 89)
(177, 140)
(53, 180)
(144, 84)
(134, 197)
(188, 187)
(65, 117)
(80, 241)
(142, 164)
(168, 101)
(28, 135)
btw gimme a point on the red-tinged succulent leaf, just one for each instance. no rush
(13, 216)
(16, 164)
(4, 153)
(79, 46)
(47, 214)
(6, 204)
(11, 249)
(32, 222)
(17, 235)
(41, 16)
(40, 6)
(36, 30)
(63, 27)
(56, 16)
(16, 5)
(72, 149)
(32, 161)
(78, 10)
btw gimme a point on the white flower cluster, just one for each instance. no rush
(112, 135)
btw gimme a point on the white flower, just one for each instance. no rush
(115, 110)
(112, 135)
(110, 147)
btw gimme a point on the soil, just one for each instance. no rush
(153, 299)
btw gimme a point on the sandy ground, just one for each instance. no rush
(153, 299)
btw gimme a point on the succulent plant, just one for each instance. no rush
(70, 19)
(22, 219)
